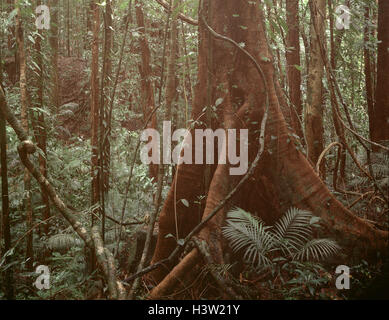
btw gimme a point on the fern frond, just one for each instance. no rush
(63, 242)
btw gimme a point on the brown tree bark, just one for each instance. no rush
(293, 60)
(380, 115)
(147, 87)
(53, 40)
(94, 103)
(5, 224)
(314, 109)
(283, 178)
(368, 71)
(335, 42)
(105, 91)
(39, 124)
(171, 79)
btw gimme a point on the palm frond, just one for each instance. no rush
(317, 249)
(290, 237)
(294, 227)
(243, 231)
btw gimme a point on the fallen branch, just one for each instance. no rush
(123, 223)
(107, 265)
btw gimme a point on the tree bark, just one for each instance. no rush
(380, 115)
(40, 125)
(5, 227)
(148, 99)
(314, 109)
(53, 40)
(94, 110)
(293, 60)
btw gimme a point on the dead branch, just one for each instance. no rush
(107, 265)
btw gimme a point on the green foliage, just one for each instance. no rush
(289, 239)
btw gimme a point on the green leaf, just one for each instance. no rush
(314, 220)
(219, 102)
(299, 68)
(185, 202)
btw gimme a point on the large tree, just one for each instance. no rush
(283, 176)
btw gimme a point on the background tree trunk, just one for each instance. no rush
(293, 60)
(148, 99)
(314, 109)
(24, 117)
(380, 114)
(53, 39)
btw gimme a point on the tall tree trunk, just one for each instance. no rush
(24, 116)
(368, 71)
(68, 27)
(94, 118)
(314, 109)
(147, 88)
(293, 60)
(94, 103)
(53, 40)
(335, 43)
(105, 123)
(283, 177)
(171, 80)
(5, 228)
(107, 61)
(40, 127)
(380, 114)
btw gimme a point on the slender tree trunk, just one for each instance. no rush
(368, 71)
(5, 228)
(314, 110)
(171, 80)
(105, 123)
(40, 127)
(335, 43)
(293, 60)
(68, 27)
(53, 40)
(24, 118)
(380, 114)
(94, 103)
(147, 88)
(94, 118)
